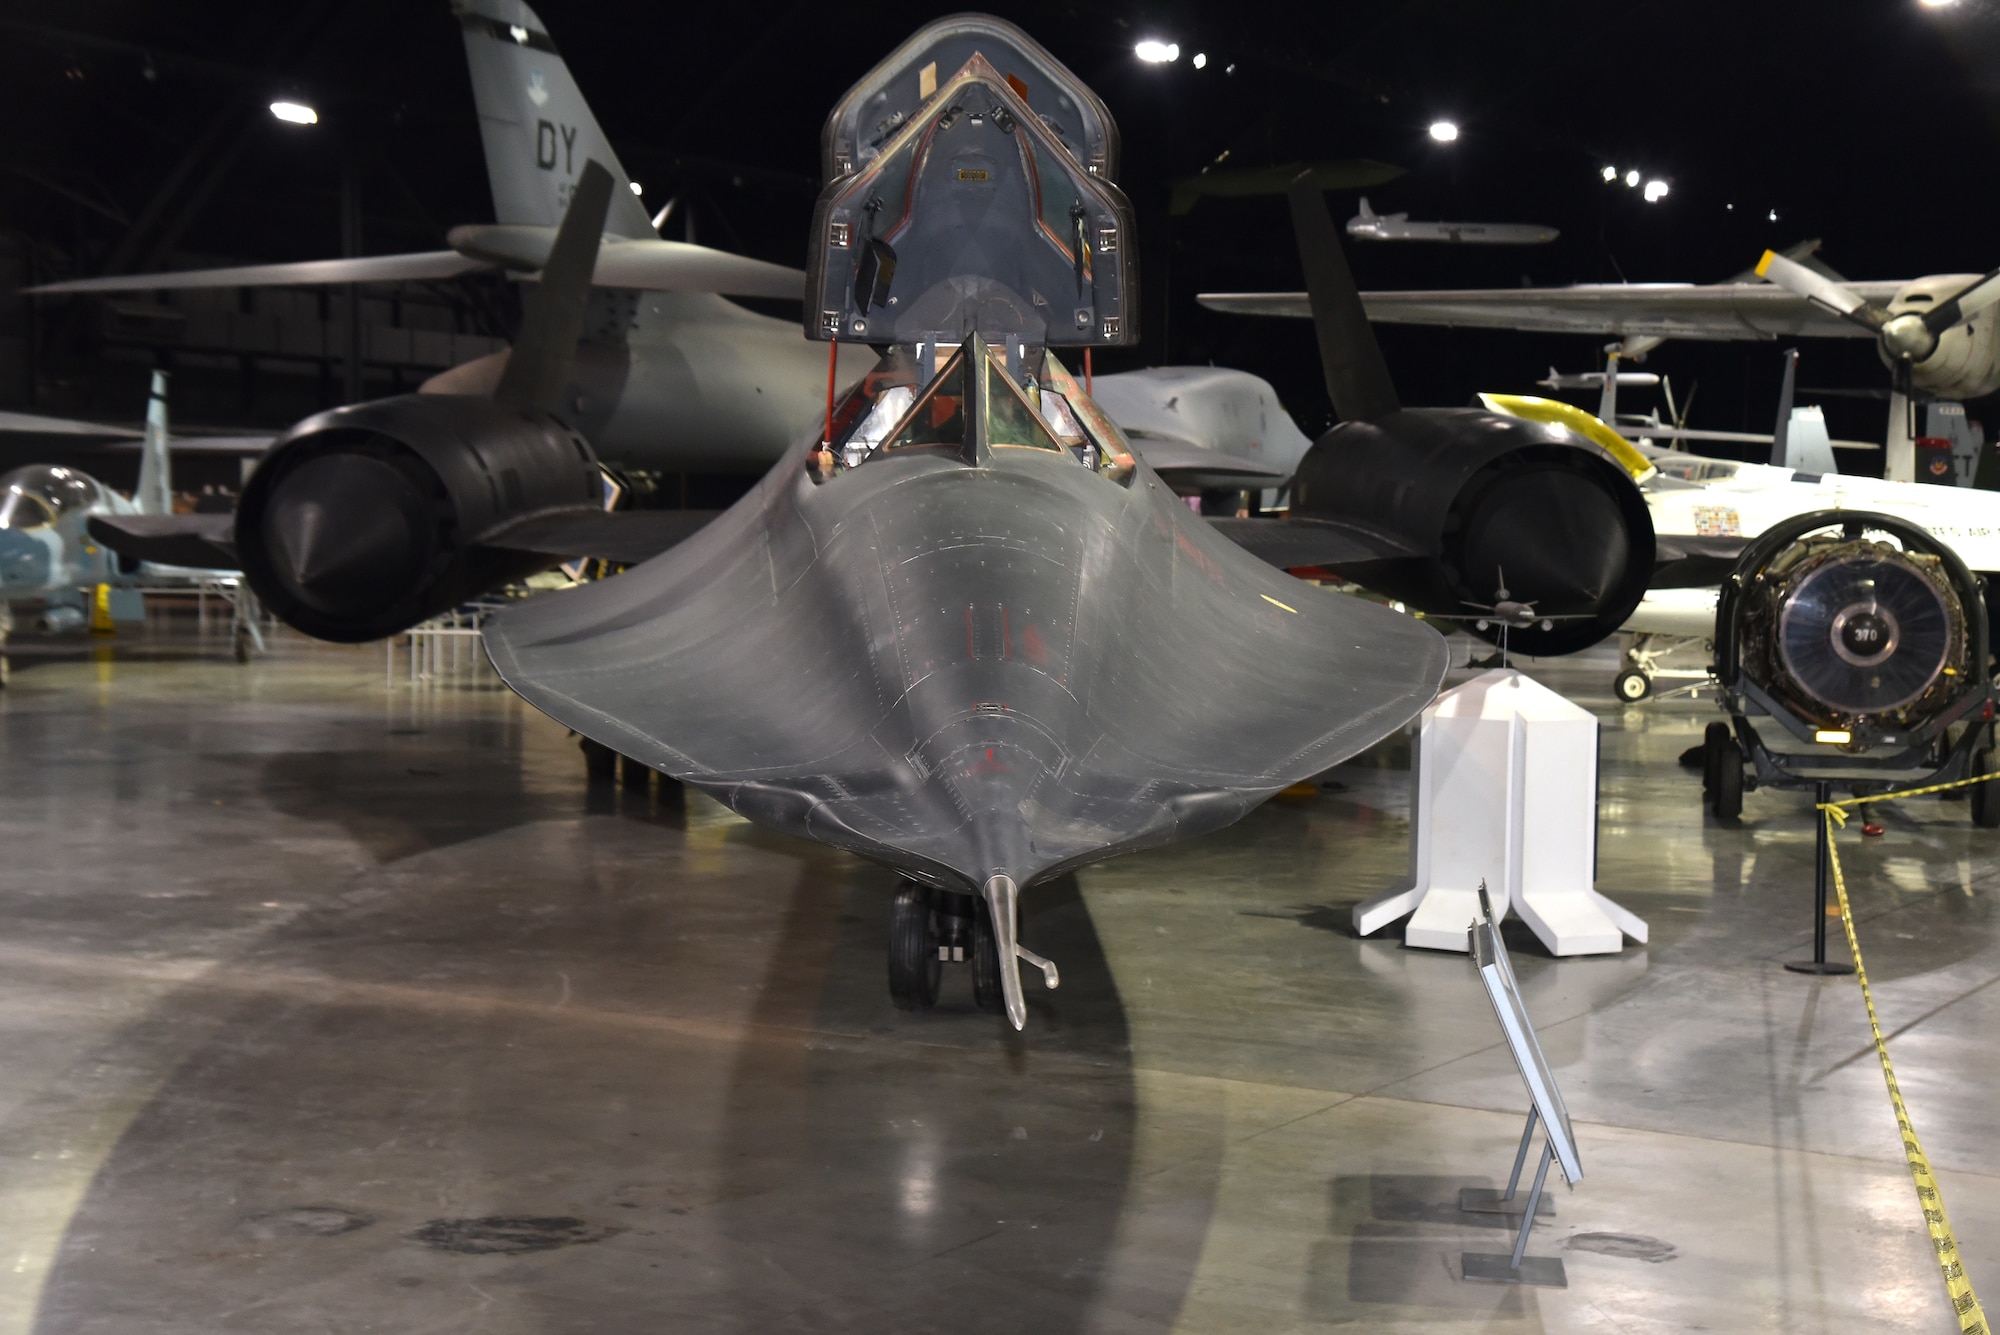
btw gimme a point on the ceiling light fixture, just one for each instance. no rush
(295, 113)
(1444, 131)
(1656, 190)
(1157, 53)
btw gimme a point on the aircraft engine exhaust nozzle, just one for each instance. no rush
(366, 520)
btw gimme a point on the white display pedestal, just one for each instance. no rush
(1504, 791)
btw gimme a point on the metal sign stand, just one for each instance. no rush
(1496, 973)
(1819, 963)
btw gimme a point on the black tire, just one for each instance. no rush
(1726, 797)
(914, 967)
(600, 762)
(987, 994)
(632, 774)
(1985, 801)
(1712, 742)
(1632, 686)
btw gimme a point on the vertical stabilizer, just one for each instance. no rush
(537, 129)
(1357, 378)
(1366, 212)
(1807, 447)
(155, 493)
(1781, 431)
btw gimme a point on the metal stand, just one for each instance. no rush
(1485, 1200)
(1819, 963)
(1518, 1267)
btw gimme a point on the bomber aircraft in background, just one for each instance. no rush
(1368, 225)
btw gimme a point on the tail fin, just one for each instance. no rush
(1366, 212)
(155, 493)
(537, 129)
(1357, 379)
(1781, 430)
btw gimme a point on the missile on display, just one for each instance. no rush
(1369, 225)
(959, 629)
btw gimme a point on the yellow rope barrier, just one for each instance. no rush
(1964, 1302)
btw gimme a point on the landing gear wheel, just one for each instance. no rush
(1725, 799)
(986, 990)
(1632, 686)
(914, 967)
(1985, 800)
(600, 762)
(1712, 742)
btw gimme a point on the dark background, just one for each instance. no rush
(138, 139)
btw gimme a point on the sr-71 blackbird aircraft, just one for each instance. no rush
(959, 629)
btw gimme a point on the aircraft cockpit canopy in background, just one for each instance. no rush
(973, 215)
(39, 495)
(979, 398)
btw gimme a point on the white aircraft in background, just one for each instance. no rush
(1369, 225)
(1707, 509)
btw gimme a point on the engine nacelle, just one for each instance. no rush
(1965, 365)
(1853, 624)
(365, 520)
(1492, 501)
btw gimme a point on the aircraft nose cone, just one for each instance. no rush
(346, 533)
(1558, 537)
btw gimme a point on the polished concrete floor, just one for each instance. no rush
(331, 1006)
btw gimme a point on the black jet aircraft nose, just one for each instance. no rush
(344, 532)
(979, 676)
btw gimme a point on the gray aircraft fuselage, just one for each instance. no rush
(696, 383)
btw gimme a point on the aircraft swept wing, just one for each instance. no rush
(648, 265)
(1716, 311)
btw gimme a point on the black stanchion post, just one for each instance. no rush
(1822, 861)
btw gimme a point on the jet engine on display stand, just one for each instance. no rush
(1851, 651)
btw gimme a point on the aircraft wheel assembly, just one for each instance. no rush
(1985, 800)
(1632, 686)
(986, 991)
(914, 967)
(1712, 741)
(1725, 798)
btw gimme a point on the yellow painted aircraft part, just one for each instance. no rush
(1529, 408)
(100, 611)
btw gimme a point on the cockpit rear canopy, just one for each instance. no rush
(891, 94)
(973, 218)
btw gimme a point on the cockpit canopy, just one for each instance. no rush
(41, 494)
(972, 400)
(973, 218)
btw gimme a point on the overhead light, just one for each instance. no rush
(1157, 53)
(1774, 215)
(1610, 173)
(1200, 60)
(1937, 4)
(638, 189)
(295, 113)
(1632, 177)
(1656, 190)
(1730, 207)
(1443, 131)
